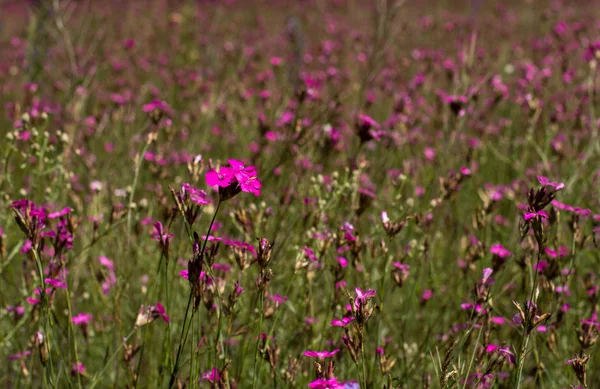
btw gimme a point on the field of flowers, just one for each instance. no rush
(333, 194)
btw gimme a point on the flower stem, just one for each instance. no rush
(183, 339)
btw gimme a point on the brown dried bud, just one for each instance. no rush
(263, 255)
(579, 364)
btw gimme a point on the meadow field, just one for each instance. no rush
(325, 194)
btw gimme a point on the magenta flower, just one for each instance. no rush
(82, 318)
(196, 195)
(18, 310)
(278, 299)
(427, 295)
(234, 179)
(429, 153)
(364, 296)
(246, 177)
(222, 178)
(106, 263)
(212, 375)
(368, 128)
(554, 185)
(532, 215)
(161, 312)
(321, 354)
(322, 383)
(500, 251)
(487, 272)
(160, 235)
(19, 355)
(77, 368)
(58, 214)
(506, 353)
(158, 105)
(58, 284)
(343, 322)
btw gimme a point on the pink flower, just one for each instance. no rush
(343, 262)
(429, 153)
(322, 383)
(500, 251)
(278, 299)
(58, 214)
(212, 375)
(82, 318)
(58, 284)
(487, 272)
(160, 310)
(19, 355)
(491, 348)
(546, 182)
(321, 354)
(77, 368)
(159, 234)
(222, 178)
(106, 263)
(246, 177)
(26, 246)
(428, 294)
(196, 195)
(366, 295)
(342, 323)
(505, 352)
(158, 105)
(531, 215)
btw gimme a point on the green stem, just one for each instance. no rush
(98, 375)
(183, 339)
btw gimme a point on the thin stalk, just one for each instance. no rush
(138, 167)
(260, 325)
(98, 375)
(183, 339)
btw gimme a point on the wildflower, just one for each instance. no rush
(321, 354)
(532, 215)
(278, 299)
(427, 295)
(487, 272)
(196, 195)
(400, 273)
(506, 353)
(367, 128)
(58, 214)
(343, 322)
(212, 375)
(222, 178)
(78, 368)
(156, 109)
(234, 179)
(322, 383)
(58, 284)
(18, 310)
(556, 186)
(500, 251)
(148, 315)
(429, 153)
(19, 355)
(363, 297)
(161, 236)
(82, 318)
(110, 278)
